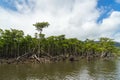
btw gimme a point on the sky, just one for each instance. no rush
(80, 19)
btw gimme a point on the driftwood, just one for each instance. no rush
(104, 55)
(35, 57)
(28, 55)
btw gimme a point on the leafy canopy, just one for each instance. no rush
(40, 25)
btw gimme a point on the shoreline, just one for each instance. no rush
(49, 60)
(41, 60)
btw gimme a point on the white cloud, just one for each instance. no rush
(111, 25)
(118, 1)
(74, 18)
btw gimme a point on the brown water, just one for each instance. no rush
(82, 70)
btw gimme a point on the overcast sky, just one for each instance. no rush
(75, 18)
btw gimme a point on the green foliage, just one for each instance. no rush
(40, 25)
(14, 43)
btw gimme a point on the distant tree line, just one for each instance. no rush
(13, 43)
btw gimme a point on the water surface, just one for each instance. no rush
(82, 70)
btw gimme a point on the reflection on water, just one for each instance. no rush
(82, 70)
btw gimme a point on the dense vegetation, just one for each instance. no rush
(13, 43)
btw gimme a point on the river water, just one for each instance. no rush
(82, 70)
